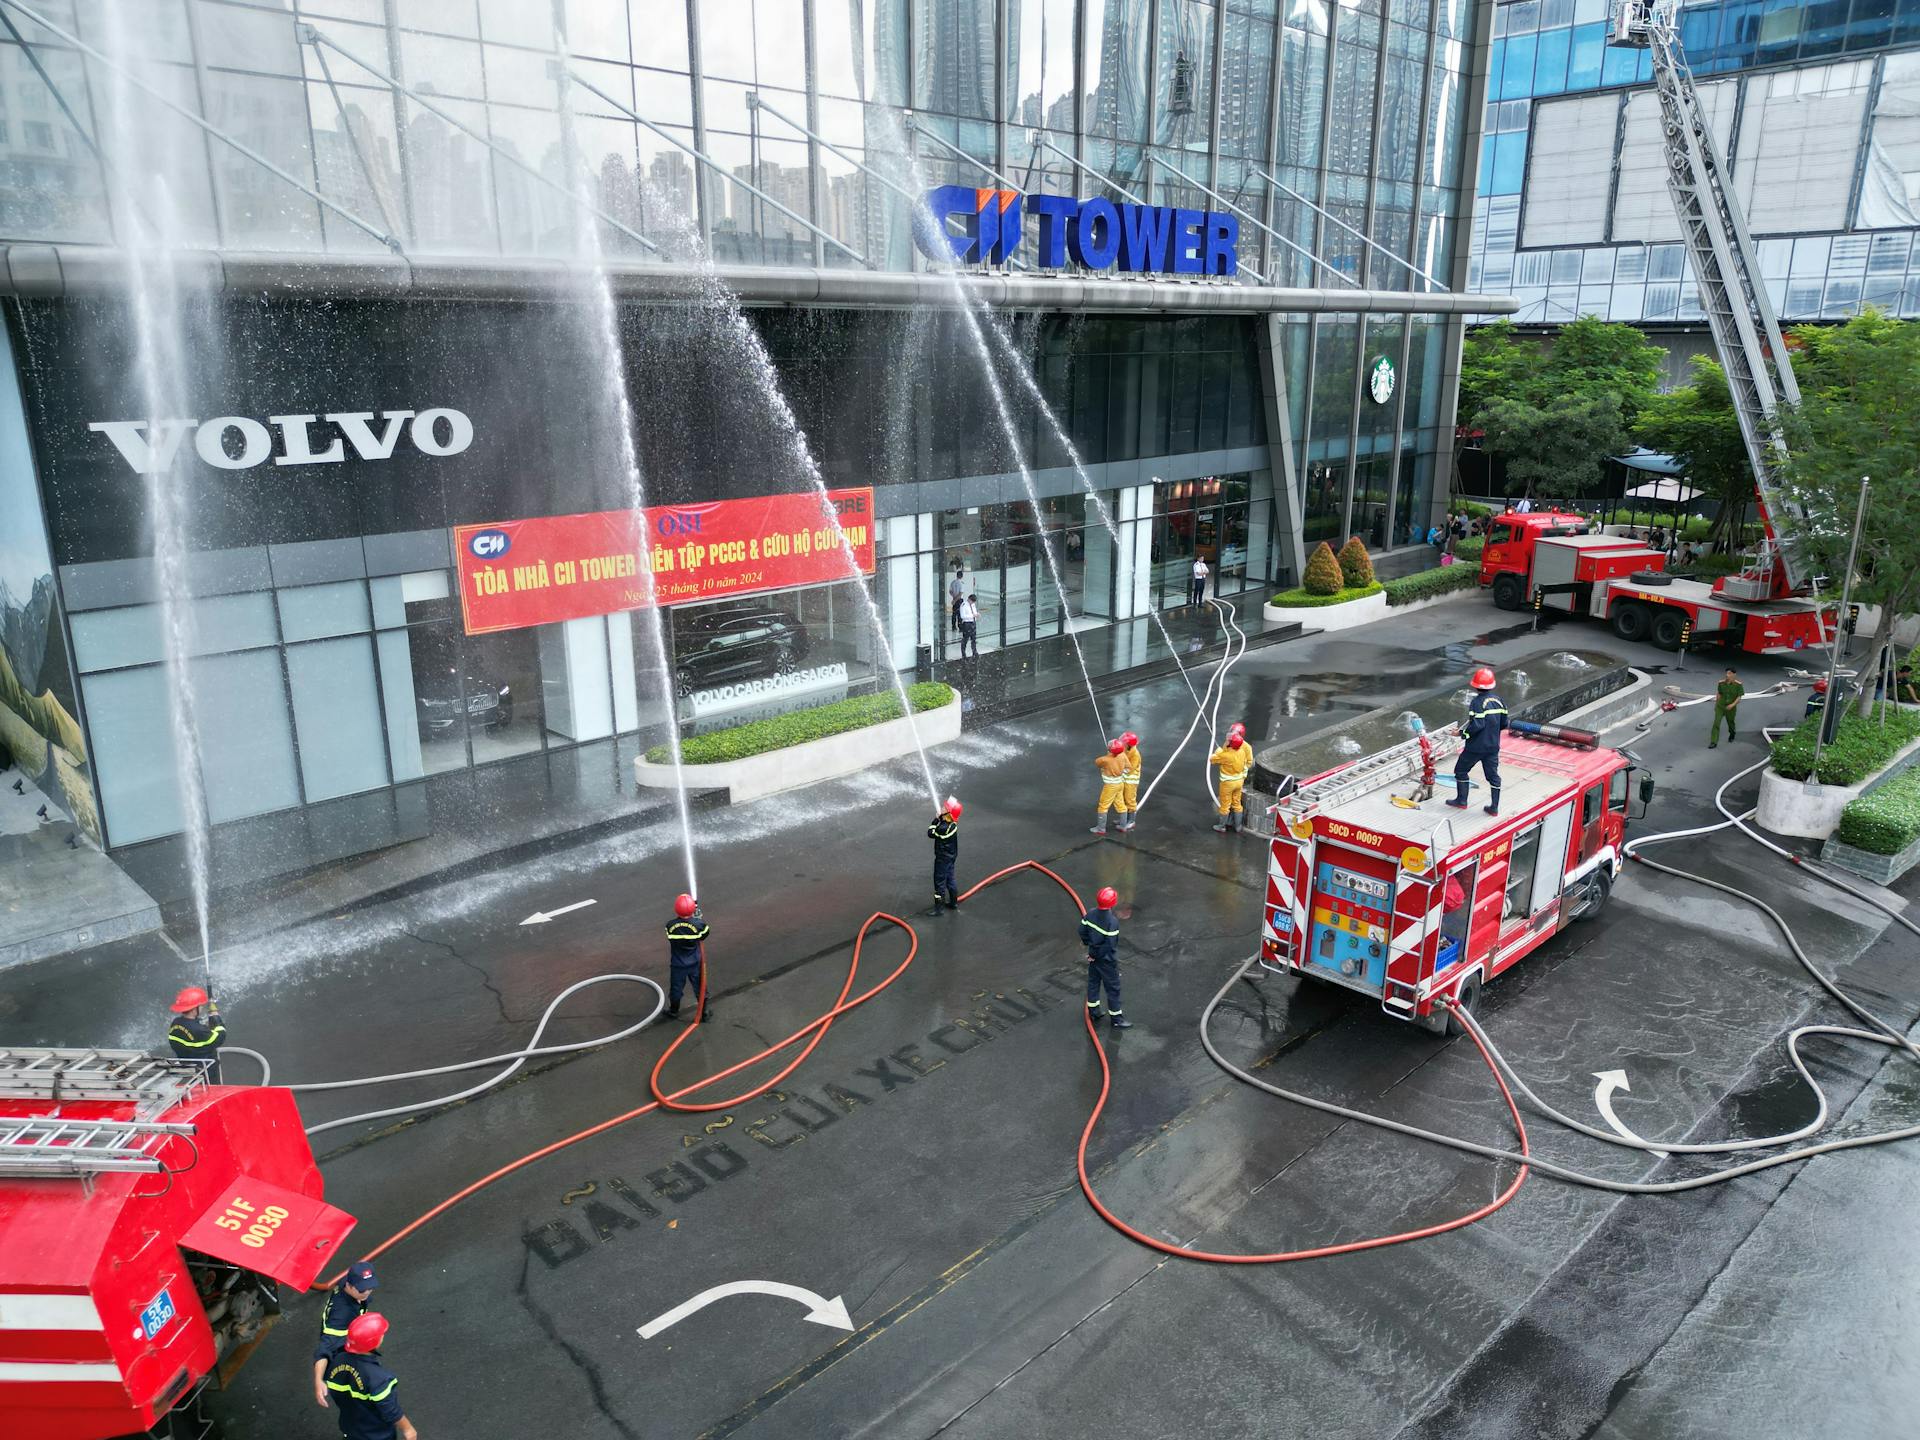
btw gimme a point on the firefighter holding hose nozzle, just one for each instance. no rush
(1100, 933)
(1113, 786)
(1130, 781)
(687, 956)
(945, 834)
(197, 1032)
(1486, 718)
(1234, 759)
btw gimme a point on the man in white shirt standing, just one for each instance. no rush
(1199, 579)
(969, 613)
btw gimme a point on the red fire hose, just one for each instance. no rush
(817, 1029)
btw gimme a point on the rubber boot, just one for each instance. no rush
(1093, 1009)
(1239, 821)
(1099, 824)
(1494, 808)
(1459, 801)
(1220, 826)
(1118, 1021)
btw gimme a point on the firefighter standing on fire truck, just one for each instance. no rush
(197, 1032)
(346, 1303)
(1113, 786)
(1235, 759)
(1486, 718)
(364, 1388)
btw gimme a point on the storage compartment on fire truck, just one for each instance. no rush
(1352, 910)
(1570, 570)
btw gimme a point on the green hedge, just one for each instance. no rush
(1425, 584)
(760, 736)
(1469, 548)
(1884, 821)
(1299, 599)
(1859, 748)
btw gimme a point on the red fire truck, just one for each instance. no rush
(1374, 884)
(147, 1220)
(1550, 558)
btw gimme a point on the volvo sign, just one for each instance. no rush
(961, 223)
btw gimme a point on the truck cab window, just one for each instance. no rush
(1617, 794)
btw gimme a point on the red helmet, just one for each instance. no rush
(1482, 678)
(1107, 898)
(1131, 739)
(1236, 728)
(1116, 747)
(190, 998)
(1819, 685)
(1235, 740)
(953, 808)
(684, 906)
(365, 1332)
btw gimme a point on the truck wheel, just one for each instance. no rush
(1593, 895)
(1667, 626)
(1509, 592)
(1468, 998)
(1631, 621)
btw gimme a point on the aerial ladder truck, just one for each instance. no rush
(1548, 557)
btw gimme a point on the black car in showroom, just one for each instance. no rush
(438, 698)
(725, 644)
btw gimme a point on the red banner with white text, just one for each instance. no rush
(516, 573)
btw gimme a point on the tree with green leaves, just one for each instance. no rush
(1697, 426)
(1859, 415)
(1539, 404)
(1560, 446)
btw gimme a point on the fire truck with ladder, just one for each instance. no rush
(147, 1222)
(1373, 884)
(1548, 559)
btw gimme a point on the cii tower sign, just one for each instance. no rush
(986, 227)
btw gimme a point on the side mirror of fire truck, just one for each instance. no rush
(1646, 792)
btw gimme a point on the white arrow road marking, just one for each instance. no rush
(1610, 1081)
(820, 1310)
(541, 917)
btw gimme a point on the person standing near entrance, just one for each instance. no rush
(1726, 706)
(1199, 579)
(967, 613)
(957, 590)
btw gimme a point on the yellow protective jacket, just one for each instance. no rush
(1112, 768)
(1132, 757)
(1234, 762)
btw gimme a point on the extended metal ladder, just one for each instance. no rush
(1725, 268)
(56, 1146)
(1363, 777)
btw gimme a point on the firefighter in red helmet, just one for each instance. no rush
(1130, 782)
(1113, 785)
(1100, 933)
(687, 956)
(1486, 718)
(197, 1032)
(1235, 759)
(364, 1389)
(945, 834)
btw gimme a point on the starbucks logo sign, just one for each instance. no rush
(1380, 381)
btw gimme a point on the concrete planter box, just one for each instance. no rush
(1812, 811)
(811, 762)
(1881, 869)
(1363, 611)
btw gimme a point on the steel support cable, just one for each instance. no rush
(1277, 1257)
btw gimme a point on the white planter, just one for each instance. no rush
(1812, 810)
(1350, 613)
(811, 762)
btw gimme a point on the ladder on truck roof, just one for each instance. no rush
(53, 1146)
(1725, 268)
(1398, 762)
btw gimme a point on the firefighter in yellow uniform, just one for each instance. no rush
(1113, 787)
(1235, 759)
(1130, 781)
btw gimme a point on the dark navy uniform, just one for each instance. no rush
(340, 1311)
(687, 952)
(194, 1038)
(945, 834)
(1100, 933)
(1486, 718)
(364, 1392)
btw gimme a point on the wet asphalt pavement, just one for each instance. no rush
(920, 1163)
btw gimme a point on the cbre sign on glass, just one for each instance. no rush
(1095, 234)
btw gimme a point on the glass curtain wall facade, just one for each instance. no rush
(1814, 107)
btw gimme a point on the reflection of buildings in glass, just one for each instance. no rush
(340, 172)
(1117, 104)
(670, 184)
(953, 55)
(449, 181)
(47, 178)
